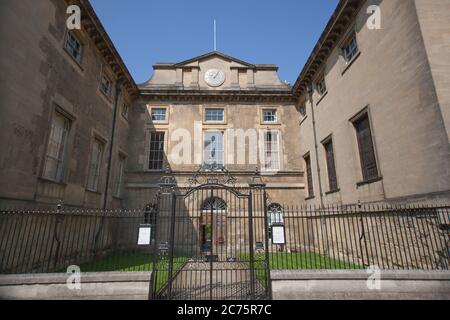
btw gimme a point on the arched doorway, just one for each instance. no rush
(213, 223)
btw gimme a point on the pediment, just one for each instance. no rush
(194, 62)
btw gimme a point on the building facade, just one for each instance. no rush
(367, 120)
(214, 110)
(58, 95)
(375, 105)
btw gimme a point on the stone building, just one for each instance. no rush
(367, 120)
(227, 112)
(60, 98)
(376, 125)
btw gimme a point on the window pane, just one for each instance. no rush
(73, 47)
(95, 165)
(125, 111)
(331, 167)
(366, 150)
(309, 176)
(159, 114)
(214, 148)
(156, 156)
(105, 86)
(270, 115)
(271, 151)
(321, 87)
(119, 175)
(351, 50)
(214, 115)
(54, 160)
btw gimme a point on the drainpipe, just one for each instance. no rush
(111, 144)
(316, 146)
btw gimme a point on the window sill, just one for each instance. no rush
(117, 198)
(349, 64)
(321, 98)
(61, 183)
(107, 98)
(159, 122)
(270, 123)
(362, 183)
(214, 122)
(78, 63)
(333, 191)
(303, 120)
(310, 198)
(94, 192)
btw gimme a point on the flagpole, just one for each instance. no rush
(215, 35)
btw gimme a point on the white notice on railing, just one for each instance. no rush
(278, 235)
(144, 235)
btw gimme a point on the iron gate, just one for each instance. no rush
(211, 241)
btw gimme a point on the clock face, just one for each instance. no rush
(214, 77)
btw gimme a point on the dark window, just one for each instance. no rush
(321, 87)
(125, 111)
(351, 50)
(105, 86)
(73, 46)
(156, 156)
(309, 176)
(366, 150)
(331, 166)
(302, 110)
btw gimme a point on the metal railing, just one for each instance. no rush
(344, 237)
(48, 241)
(356, 237)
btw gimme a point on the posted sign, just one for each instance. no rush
(144, 238)
(278, 235)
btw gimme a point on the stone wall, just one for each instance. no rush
(352, 285)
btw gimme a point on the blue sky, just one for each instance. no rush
(281, 32)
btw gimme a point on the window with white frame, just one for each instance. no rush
(156, 153)
(119, 177)
(54, 159)
(351, 50)
(214, 115)
(95, 166)
(159, 114)
(73, 47)
(271, 151)
(321, 86)
(270, 115)
(214, 148)
(106, 86)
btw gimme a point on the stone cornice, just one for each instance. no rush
(269, 96)
(336, 27)
(94, 28)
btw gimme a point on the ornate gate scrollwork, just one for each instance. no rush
(212, 174)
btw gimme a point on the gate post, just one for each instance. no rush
(172, 240)
(167, 186)
(251, 247)
(258, 185)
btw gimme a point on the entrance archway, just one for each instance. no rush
(213, 223)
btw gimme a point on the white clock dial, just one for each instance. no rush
(214, 77)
